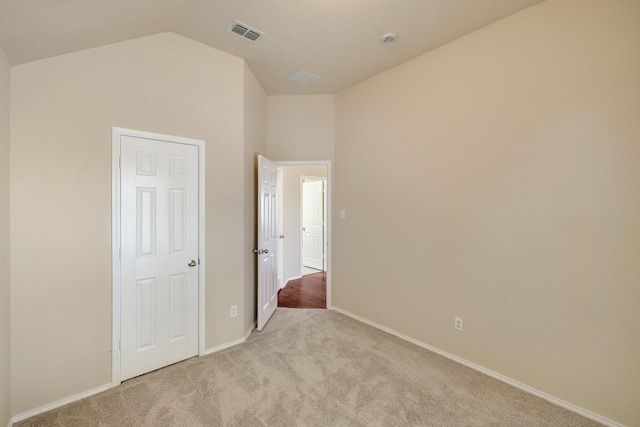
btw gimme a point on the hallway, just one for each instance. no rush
(310, 291)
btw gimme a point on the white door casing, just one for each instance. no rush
(280, 227)
(313, 223)
(267, 241)
(157, 294)
(328, 217)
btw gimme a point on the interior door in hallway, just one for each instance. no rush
(159, 254)
(313, 223)
(267, 250)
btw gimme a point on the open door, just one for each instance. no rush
(267, 241)
(313, 223)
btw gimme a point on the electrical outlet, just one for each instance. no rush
(234, 310)
(458, 324)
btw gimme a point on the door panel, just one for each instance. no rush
(267, 241)
(280, 228)
(159, 236)
(313, 224)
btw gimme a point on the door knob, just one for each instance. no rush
(192, 263)
(265, 251)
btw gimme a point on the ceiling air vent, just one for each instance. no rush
(303, 77)
(245, 31)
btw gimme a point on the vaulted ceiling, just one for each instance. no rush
(338, 40)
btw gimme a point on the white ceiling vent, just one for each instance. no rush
(303, 77)
(245, 31)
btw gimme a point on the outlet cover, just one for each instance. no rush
(234, 310)
(458, 324)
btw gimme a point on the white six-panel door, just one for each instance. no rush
(313, 224)
(159, 254)
(267, 241)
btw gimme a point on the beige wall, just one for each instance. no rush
(301, 127)
(255, 142)
(5, 320)
(291, 215)
(500, 175)
(62, 111)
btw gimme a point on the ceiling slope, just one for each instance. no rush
(338, 40)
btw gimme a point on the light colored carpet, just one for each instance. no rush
(313, 368)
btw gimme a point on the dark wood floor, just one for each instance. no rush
(308, 292)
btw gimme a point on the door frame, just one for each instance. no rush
(280, 230)
(117, 133)
(324, 219)
(328, 241)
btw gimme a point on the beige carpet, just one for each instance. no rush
(313, 368)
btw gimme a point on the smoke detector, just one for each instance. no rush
(303, 77)
(389, 38)
(246, 32)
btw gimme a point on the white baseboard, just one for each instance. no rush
(290, 279)
(231, 343)
(488, 372)
(251, 329)
(514, 383)
(224, 346)
(49, 407)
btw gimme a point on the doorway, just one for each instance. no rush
(299, 278)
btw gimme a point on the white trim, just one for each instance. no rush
(507, 380)
(202, 260)
(290, 279)
(117, 133)
(251, 329)
(80, 396)
(232, 343)
(329, 241)
(115, 257)
(58, 404)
